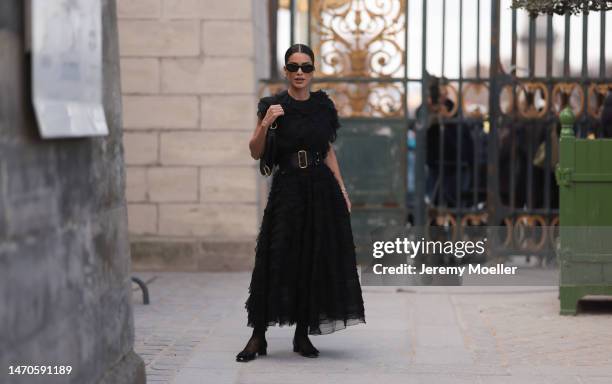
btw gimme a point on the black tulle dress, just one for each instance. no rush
(305, 266)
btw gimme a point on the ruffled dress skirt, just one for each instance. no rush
(305, 267)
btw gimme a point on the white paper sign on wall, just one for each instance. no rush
(67, 67)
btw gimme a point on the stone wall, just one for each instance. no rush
(65, 289)
(188, 70)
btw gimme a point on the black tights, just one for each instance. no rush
(257, 339)
(302, 340)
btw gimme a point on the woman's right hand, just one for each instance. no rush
(274, 111)
(257, 142)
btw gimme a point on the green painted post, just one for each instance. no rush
(566, 153)
(567, 295)
(567, 122)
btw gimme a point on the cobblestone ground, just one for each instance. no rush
(196, 323)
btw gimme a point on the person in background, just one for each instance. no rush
(606, 116)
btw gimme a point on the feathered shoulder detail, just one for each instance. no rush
(327, 102)
(323, 98)
(320, 98)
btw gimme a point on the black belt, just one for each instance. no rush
(301, 159)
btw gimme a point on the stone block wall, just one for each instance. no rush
(189, 73)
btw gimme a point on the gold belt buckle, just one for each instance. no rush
(300, 158)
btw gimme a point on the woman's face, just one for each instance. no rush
(299, 79)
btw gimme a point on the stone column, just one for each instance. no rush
(65, 289)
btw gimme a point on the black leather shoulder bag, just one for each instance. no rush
(266, 162)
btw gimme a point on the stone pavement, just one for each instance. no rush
(196, 323)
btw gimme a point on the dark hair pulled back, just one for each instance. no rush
(303, 48)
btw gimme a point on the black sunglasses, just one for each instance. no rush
(306, 68)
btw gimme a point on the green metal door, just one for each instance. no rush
(585, 180)
(371, 154)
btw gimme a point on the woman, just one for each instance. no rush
(305, 269)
